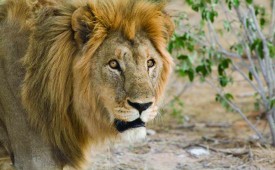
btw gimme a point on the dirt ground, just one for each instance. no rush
(202, 136)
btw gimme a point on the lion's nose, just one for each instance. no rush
(140, 106)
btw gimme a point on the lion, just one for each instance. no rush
(75, 74)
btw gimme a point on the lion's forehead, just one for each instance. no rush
(117, 45)
(125, 53)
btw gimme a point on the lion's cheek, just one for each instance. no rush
(149, 114)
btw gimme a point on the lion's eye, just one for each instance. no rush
(114, 64)
(151, 63)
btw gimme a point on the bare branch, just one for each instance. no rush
(272, 24)
(247, 79)
(256, 76)
(242, 18)
(269, 70)
(214, 34)
(175, 97)
(229, 54)
(271, 122)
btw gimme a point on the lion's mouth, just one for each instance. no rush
(122, 126)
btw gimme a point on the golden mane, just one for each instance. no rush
(64, 38)
(131, 17)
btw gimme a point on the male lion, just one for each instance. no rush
(82, 71)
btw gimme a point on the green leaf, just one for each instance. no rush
(236, 3)
(250, 75)
(227, 25)
(220, 70)
(183, 57)
(250, 24)
(257, 46)
(186, 68)
(224, 64)
(212, 15)
(186, 36)
(209, 15)
(262, 22)
(189, 2)
(271, 48)
(223, 80)
(215, 1)
(249, 1)
(272, 103)
(257, 105)
(182, 72)
(187, 72)
(229, 3)
(195, 8)
(190, 46)
(259, 10)
(191, 74)
(223, 100)
(239, 49)
(229, 96)
(204, 69)
(170, 47)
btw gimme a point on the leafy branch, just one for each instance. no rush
(201, 48)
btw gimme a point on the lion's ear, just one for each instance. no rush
(169, 26)
(82, 24)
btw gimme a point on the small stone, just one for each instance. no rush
(151, 132)
(198, 151)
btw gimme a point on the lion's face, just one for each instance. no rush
(126, 75)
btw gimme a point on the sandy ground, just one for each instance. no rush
(202, 136)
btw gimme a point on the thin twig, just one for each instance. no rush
(272, 25)
(229, 54)
(185, 87)
(214, 34)
(242, 152)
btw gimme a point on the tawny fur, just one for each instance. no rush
(61, 33)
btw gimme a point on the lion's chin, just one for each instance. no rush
(131, 131)
(133, 135)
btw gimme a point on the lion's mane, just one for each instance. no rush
(64, 37)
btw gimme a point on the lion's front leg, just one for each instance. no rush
(28, 150)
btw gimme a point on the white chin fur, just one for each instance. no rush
(133, 135)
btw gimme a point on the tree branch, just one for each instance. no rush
(272, 24)
(271, 122)
(269, 68)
